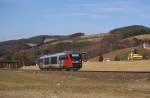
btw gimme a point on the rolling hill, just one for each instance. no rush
(120, 39)
(122, 54)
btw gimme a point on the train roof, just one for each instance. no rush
(52, 55)
(57, 54)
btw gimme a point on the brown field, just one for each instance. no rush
(60, 84)
(142, 65)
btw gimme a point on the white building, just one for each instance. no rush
(146, 45)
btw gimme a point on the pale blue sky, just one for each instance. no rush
(26, 18)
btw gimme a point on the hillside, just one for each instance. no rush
(129, 31)
(141, 37)
(28, 50)
(33, 41)
(123, 54)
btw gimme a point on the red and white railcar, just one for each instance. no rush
(66, 60)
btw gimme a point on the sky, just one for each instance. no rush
(27, 18)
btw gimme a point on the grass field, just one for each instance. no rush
(32, 84)
(142, 65)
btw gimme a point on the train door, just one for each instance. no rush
(62, 59)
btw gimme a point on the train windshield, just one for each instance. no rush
(63, 57)
(75, 57)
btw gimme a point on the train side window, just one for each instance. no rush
(62, 57)
(53, 60)
(46, 61)
(41, 60)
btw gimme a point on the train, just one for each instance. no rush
(68, 60)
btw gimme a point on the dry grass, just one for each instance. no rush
(112, 54)
(89, 38)
(145, 36)
(20, 84)
(143, 65)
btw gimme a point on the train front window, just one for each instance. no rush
(62, 57)
(75, 57)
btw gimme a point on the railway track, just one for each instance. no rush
(100, 75)
(80, 71)
(118, 71)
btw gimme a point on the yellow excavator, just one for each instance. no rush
(134, 55)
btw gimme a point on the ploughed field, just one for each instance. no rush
(62, 84)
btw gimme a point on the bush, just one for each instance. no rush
(120, 58)
(116, 58)
(100, 58)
